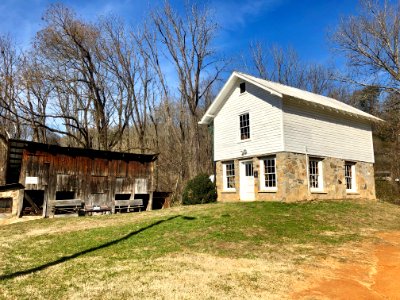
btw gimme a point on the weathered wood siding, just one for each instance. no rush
(325, 133)
(265, 113)
(94, 180)
(3, 162)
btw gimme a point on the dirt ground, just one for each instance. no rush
(5, 220)
(370, 271)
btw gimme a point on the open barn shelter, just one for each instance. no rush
(44, 179)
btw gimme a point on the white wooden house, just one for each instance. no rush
(275, 142)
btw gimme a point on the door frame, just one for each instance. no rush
(242, 174)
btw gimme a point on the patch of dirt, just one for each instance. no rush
(12, 220)
(370, 271)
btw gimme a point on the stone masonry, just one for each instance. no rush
(16, 199)
(292, 181)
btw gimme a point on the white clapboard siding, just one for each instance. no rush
(265, 113)
(325, 133)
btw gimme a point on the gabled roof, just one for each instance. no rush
(281, 90)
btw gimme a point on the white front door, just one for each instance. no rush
(246, 180)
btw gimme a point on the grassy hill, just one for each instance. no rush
(236, 250)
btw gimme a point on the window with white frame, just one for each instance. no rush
(229, 176)
(350, 176)
(244, 126)
(315, 173)
(268, 173)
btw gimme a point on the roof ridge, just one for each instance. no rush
(343, 105)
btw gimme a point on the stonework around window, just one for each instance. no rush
(244, 126)
(268, 173)
(349, 175)
(315, 173)
(229, 176)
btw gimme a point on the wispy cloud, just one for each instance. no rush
(233, 14)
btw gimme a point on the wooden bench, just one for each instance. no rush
(66, 206)
(129, 205)
(103, 209)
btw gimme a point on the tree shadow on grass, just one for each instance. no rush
(75, 255)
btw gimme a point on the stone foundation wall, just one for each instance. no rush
(15, 195)
(292, 181)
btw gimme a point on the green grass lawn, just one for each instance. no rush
(207, 251)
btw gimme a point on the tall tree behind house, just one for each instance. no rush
(370, 42)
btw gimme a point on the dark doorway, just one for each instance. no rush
(145, 198)
(33, 203)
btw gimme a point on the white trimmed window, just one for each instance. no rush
(350, 176)
(244, 126)
(315, 173)
(268, 174)
(229, 176)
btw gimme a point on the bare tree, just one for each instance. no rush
(187, 41)
(88, 97)
(35, 97)
(370, 42)
(185, 44)
(10, 123)
(284, 66)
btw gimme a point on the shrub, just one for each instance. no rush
(388, 191)
(199, 190)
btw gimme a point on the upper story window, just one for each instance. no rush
(229, 176)
(315, 173)
(350, 176)
(244, 126)
(242, 87)
(268, 173)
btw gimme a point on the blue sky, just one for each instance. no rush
(301, 24)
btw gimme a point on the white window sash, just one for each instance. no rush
(262, 176)
(353, 179)
(320, 178)
(225, 179)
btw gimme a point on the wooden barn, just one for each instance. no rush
(42, 179)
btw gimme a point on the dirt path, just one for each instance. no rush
(373, 273)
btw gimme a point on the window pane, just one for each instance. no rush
(230, 175)
(348, 176)
(242, 87)
(244, 126)
(314, 174)
(249, 169)
(270, 172)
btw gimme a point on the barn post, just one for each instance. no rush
(22, 176)
(151, 190)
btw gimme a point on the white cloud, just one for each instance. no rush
(231, 14)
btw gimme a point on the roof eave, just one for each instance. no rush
(337, 110)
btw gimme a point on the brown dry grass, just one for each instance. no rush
(177, 276)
